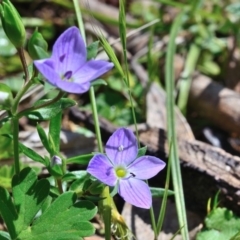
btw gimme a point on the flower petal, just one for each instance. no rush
(91, 70)
(146, 167)
(47, 69)
(121, 147)
(102, 169)
(136, 192)
(69, 51)
(72, 87)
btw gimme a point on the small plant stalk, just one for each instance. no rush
(15, 144)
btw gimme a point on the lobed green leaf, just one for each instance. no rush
(49, 111)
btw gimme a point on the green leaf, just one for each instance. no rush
(96, 188)
(142, 151)
(8, 211)
(74, 175)
(236, 237)
(29, 195)
(221, 224)
(82, 159)
(63, 218)
(4, 235)
(41, 53)
(6, 174)
(159, 192)
(54, 131)
(78, 185)
(112, 56)
(54, 192)
(6, 97)
(49, 111)
(56, 170)
(92, 50)
(94, 198)
(99, 82)
(6, 145)
(32, 154)
(44, 139)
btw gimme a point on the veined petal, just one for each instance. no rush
(102, 169)
(72, 87)
(121, 147)
(136, 192)
(146, 167)
(69, 51)
(47, 69)
(91, 70)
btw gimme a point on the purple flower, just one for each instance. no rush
(121, 166)
(68, 68)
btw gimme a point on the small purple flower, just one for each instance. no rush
(121, 166)
(68, 68)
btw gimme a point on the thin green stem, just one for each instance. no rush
(165, 196)
(95, 118)
(134, 116)
(91, 91)
(153, 221)
(123, 37)
(15, 144)
(59, 185)
(19, 96)
(25, 111)
(79, 19)
(106, 209)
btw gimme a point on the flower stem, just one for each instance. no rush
(79, 19)
(134, 116)
(15, 144)
(106, 209)
(19, 96)
(153, 221)
(59, 184)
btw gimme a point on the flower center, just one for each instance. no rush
(121, 172)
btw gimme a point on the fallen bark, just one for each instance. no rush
(215, 102)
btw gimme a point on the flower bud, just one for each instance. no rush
(12, 24)
(37, 46)
(56, 161)
(55, 168)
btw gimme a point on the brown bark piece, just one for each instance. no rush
(216, 103)
(157, 116)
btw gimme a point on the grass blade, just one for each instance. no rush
(171, 133)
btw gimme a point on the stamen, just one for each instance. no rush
(114, 227)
